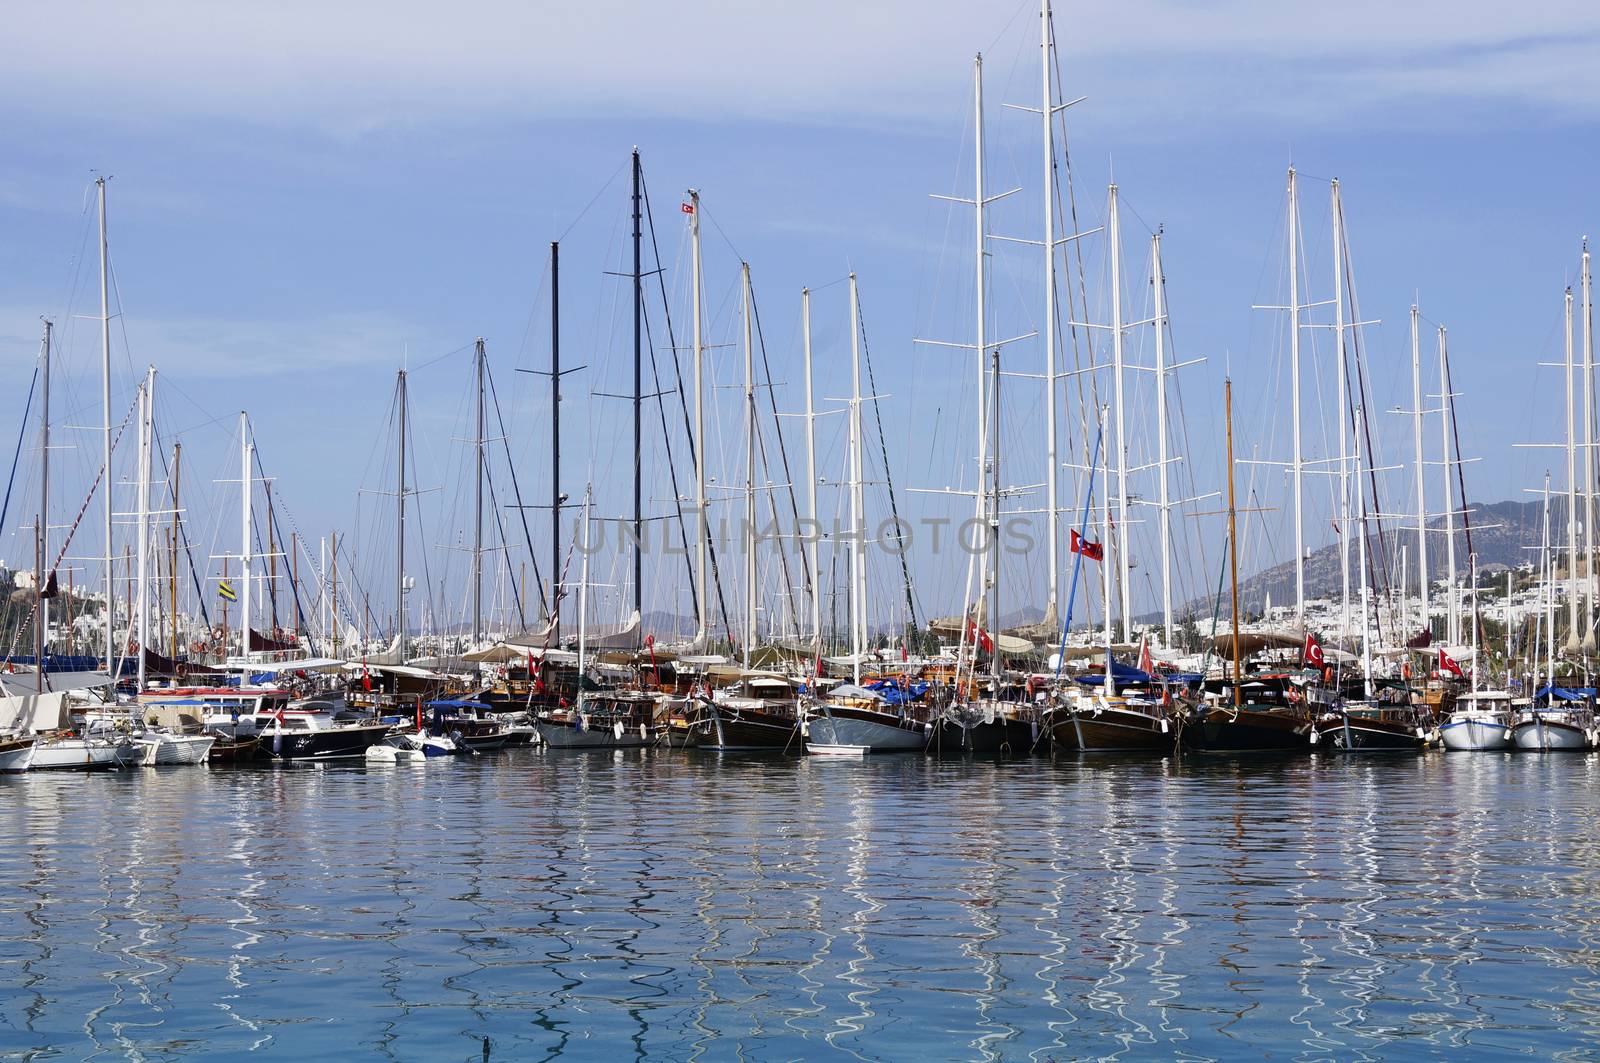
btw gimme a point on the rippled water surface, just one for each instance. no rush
(681, 906)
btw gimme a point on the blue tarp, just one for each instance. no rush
(1124, 674)
(1566, 693)
(894, 694)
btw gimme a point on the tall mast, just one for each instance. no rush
(1053, 519)
(638, 400)
(477, 504)
(400, 517)
(1452, 606)
(1422, 487)
(750, 465)
(1105, 534)
(105, 409)
(1233, 540)
(858, 530)
(1342, 418)
(1572, 487)
(1588, 453)
(702, 520)
(811, 473)
(1298, 465)
(147, 401)
(555, 440)
(1158, 281)
(994, 516)
(246, 555)
(41, 617)
(981, 284)
(1124, 569)
(177, 465)
(1361, 553)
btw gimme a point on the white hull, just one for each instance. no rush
(1477, 736)
(1550, 736)
(17, 760)
(83, 754)
(843, 737)
(159, 749)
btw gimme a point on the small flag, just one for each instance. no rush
(980, 637)
(1448, 664)
(1313, 651)
(687, 208)
(366, 677)
(226, 592)
(1093, 551)
(1147, 664)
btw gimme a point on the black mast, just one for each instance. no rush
(638, 404)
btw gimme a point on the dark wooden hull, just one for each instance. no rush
(1111, 731)
(1248, 731)
(1369, 736)
(1004, 737)
(234, 750)
(749, 730)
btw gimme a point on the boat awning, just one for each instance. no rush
(18, 684)
(309, 664)
(850, 690)
(395, 669)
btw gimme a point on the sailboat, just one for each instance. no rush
(1258, 716)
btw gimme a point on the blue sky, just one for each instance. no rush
(304, 199)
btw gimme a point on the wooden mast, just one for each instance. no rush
(1233, 544)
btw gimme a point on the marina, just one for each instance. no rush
(975, 553)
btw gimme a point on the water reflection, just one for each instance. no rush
(665, 905)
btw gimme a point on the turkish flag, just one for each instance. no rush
(1313, 651)
(1080, 545)
(1448, 664)
(1147, 664)
(687, 208)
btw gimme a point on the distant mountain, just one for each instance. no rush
(1502, 534)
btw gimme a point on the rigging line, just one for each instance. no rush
(183, 535)
(683, 402)
(788, 478)
(499, 520)
(516, 490)
(590, 205)
(16, 458)
(273, 505)
(888, 477)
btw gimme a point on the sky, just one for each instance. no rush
(304, 198)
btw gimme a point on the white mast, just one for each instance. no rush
(583, 595)
(1422, 488)
(105, 424)
(147, 400)
(1342, 417)
(1588, 454)
(1472, 564)
(400, 519)
(703, 526)
(811, 474)
(1294, 376)
(750, 467)
(41, 642)
(1105, 538)
(1452, 606)
(246, 449)
(858, 536)
(1124, 570)
(1052, 504)
(477, 500)
(1549, 588)
(1366, 597)
(1158, 282)
(981, 284)
(1572, 489)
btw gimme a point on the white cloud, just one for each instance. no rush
(356, 64)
